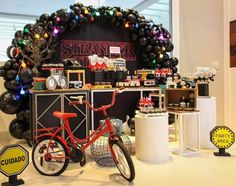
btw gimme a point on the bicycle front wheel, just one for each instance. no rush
(122, 160)
(51, 83)
(51, 162)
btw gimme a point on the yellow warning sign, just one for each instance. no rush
(222, 137)
(13, 160)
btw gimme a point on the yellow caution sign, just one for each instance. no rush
(13, 160)
(222, 137)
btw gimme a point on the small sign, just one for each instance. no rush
(13, 161)
(114, 50)
(222, 137)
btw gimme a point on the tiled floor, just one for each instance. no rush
(202, 170)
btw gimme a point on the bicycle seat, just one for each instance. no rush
(63, 115)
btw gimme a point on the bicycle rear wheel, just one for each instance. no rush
(122, 160)
(51, 162)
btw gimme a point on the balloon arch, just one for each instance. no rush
(37, 42)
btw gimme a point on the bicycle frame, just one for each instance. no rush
(85, 142)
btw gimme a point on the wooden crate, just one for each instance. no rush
(75, 75)
(174, 95)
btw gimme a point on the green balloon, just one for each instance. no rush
(26, 31)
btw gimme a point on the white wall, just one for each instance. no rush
(230, 73)
(201, 42)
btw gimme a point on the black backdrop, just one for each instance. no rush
(126, 103)
(102, 32)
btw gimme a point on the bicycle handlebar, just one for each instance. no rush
(104, 107)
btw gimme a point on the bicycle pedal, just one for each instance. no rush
(83, 161)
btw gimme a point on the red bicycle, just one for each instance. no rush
(52, 152)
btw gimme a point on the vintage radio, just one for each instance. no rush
(180, 99)
(75, 84)
(149, 83)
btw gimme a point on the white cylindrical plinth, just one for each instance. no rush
(207, 107)
(151, 136)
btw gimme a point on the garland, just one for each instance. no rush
(36, 43)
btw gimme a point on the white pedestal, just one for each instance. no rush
(207, 107)
(151, 134)
(188, 124)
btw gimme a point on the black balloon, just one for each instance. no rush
(62, 29)
(44, 17)
(17, 128)
(143, 41)
(165, 43)
(169, 64)
(174, 69)
(147, 31)
(12, 85)
(169, 47)
(11, 74)
(77, 10)
(8, 65)
(174, 61)
(131, 123)
(152, 56)
(134, 37)
(62, 14)
(10, 102)
(23, 115)
(145, 57)
(113, 20)
(15, 66)
(27, 114)
(27, 137)
(157, 43)
(26, 75)
(54, 15)
(18, 33)
(9, 51)
(20, 115)
(71, 7)
(165, 64)
(148, 48)
(118, 24)
(141, 32)
(50, 24)
(131, 18)
(2, 71)
(152, 41)
(166, 56)
(72, 24)
(157, 49)
(14, 42)
(159, 66)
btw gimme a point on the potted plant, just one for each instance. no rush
(202, 77)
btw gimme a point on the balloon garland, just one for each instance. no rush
(37, 42)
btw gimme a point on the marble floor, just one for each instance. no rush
(199, 170)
